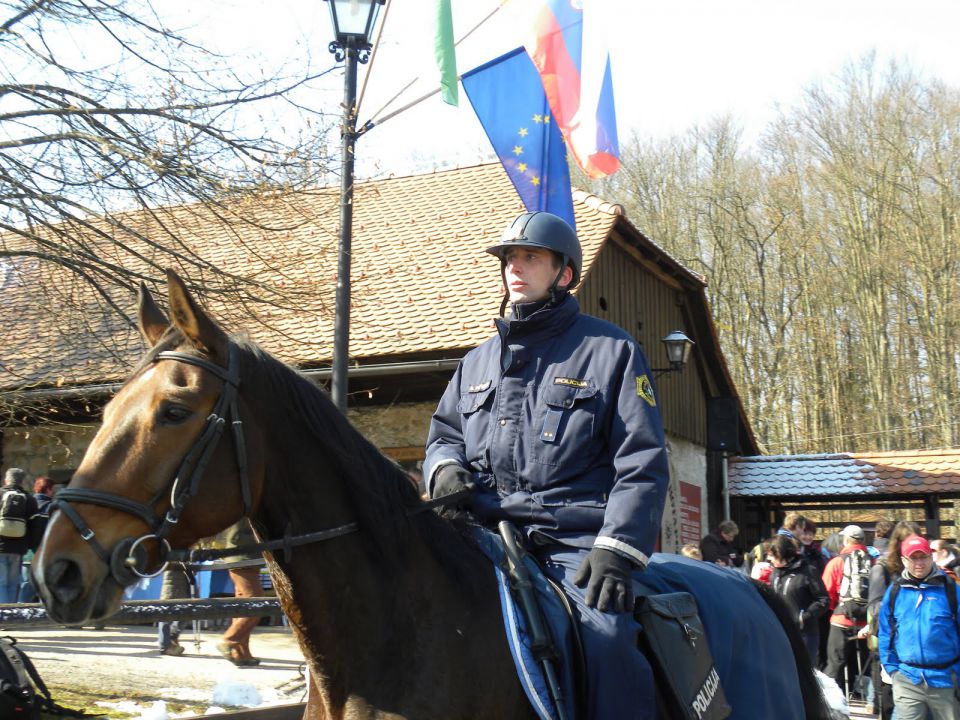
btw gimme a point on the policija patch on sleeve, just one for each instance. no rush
(645, 390)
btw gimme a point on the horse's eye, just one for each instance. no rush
(173, 414)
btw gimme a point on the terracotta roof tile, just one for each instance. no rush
(903, 472)
(420, 280)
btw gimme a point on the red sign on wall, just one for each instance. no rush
(689, 513)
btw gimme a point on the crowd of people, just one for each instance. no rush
(23, 520)
(880, 619)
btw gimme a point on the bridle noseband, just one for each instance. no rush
(129, 556)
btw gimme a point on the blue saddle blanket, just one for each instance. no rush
(750, 650)
(529, 670)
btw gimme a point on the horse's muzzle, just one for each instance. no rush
(67, 598)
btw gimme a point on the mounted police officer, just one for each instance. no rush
(554, 424)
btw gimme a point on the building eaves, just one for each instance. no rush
(883, 473)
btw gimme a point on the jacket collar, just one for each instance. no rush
(548, 320)
(936, 577)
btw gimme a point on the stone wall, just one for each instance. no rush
(395, 426)
(46, 450)
(43, 450)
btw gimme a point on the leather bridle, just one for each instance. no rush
(128, 557)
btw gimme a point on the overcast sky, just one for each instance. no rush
(675, 63)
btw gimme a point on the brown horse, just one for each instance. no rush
(397, 615)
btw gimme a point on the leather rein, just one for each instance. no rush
(128, 558)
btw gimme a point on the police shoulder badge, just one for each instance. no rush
(645, 390)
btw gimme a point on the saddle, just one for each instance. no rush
(551, 670)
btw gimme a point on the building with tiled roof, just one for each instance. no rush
(423, 293)
(921, 485)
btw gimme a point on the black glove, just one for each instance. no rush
(452, 479)
(607, 577)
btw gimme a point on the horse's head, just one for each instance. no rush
(167, 467)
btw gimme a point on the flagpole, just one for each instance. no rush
(373, 122)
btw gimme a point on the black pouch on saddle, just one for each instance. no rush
(675, 643)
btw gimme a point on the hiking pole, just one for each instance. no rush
(541, 643)
(848, 670)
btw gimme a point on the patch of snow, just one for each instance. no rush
(236, 694)
(157, 711)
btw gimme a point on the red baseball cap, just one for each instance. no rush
(914, 544)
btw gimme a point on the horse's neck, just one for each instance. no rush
(357, 613)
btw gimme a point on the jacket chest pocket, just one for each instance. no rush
(474, 409)
(564, 423)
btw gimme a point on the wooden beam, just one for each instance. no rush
(647, 264)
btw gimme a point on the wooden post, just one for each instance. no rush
(931, 506)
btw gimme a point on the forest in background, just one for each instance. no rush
(832, 252)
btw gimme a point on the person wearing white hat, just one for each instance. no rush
(847, 580)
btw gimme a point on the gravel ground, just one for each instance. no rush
(118, 671)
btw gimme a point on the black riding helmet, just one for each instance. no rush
(543, 230)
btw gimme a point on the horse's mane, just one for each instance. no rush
(381, 495)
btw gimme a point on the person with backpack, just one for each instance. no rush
(919, 637)
(847, 581)
(18, 531)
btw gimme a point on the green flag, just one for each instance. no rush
(445, 53)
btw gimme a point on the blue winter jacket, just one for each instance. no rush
(926, 632)
(557, 418)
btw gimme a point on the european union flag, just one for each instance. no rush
(508, 98)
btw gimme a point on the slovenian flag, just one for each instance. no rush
(574, 64)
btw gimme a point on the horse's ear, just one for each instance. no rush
(192, 320)
(150, 317)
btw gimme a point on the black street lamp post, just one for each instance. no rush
(353, 22)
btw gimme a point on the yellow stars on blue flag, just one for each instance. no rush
(523, 132)
(508, 98)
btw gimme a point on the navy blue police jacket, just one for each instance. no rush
(557, 418)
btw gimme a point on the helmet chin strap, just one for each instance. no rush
(556, 293)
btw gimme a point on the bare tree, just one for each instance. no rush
(830, 249)
(95, 146)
